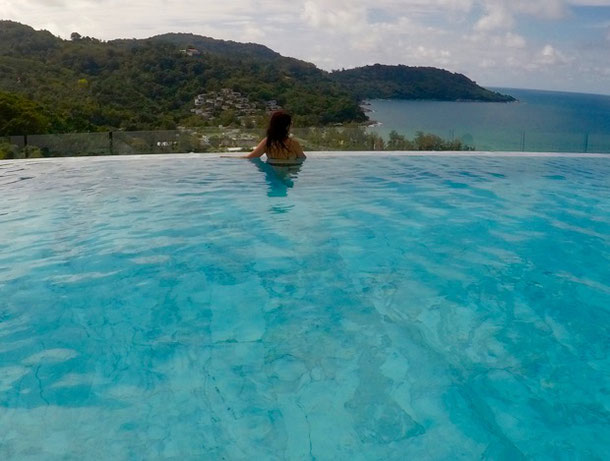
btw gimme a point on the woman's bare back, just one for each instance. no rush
(291, 150)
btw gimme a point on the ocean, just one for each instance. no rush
(539, 121)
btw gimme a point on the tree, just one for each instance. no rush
(227, 118)
(8, 150)
(19, 116)
(398, 142)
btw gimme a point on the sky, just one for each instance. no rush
(542, 44)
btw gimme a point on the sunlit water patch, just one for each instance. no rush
(381, 307)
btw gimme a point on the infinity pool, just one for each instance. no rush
(367, 308)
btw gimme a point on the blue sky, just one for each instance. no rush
(547, 44)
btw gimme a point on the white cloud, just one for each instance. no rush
(550, 56)
(589, 2)
(501, 14)
(548, 9)
(497, 16)
(338, 15)
(514, 40)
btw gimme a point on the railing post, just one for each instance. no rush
(586, 142)
(523, 141)
(25, 146)
(110, 143)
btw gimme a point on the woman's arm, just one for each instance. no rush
(298, 149)
(258, 150)
(256, 153)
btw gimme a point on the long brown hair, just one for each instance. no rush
(279, 127)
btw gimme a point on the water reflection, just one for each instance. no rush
(279, 178)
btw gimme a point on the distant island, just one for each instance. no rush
(52, 85)
(403, 82)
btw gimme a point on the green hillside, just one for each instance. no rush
(91, 85)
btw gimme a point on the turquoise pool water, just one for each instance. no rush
(385, 307)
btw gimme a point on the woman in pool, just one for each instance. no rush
(280, 148)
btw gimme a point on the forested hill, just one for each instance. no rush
(403, 82)
(85, 84)
(227, 48)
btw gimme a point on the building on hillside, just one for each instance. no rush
(191, 51)
(209, 104)
(272, 106)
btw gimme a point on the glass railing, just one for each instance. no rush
(340, 138)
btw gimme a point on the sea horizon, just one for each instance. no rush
(541, 90)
